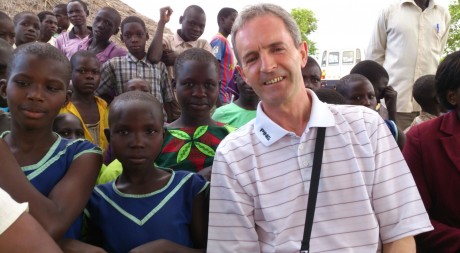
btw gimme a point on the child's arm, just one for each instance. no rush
(67, 199)
(156, 47)
(390, 96)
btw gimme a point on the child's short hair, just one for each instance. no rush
(61, 6)
(423, 90)
(18, 16)
(193, 7)
(4, 16)
(42, 15)
(135, 97)
(371, 70)
(132, 19)
(225, 12)
(343, 85)
(117, 20)
(195, 54)
(85, 5)
(448, 78)
(330, 96)
(6, 50)
(311, 61)
(43, 51)
(83, 53)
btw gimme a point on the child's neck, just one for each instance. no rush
(78, 97)
(29, 146)
(223, 33)
(185, 121)
(247, 103)
(142, 180)
(179, 31)
(436, 111)
(139, 56)
(98, 45)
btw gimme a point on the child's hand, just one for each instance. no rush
(165, 14)
(390, 96)
(168, 57)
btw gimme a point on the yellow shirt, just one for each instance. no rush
(103, 121)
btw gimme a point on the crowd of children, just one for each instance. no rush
(78, 110)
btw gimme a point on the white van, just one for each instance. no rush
(338, 63)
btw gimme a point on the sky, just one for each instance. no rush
(341, 24)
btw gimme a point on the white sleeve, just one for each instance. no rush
(10, 210)
(397, 203)
(378, 41)
(231, 211)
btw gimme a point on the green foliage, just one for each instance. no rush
(307, 23)
(453, 41)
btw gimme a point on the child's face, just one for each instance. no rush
(244, 89)
(197, 87)
(76, 14)
(136, 84)
(48, 26)
(7, 31)
(69, 127)
(104, 25)
(311, 76)
(380, 86)
(36, 90)
(136, 134)
(61, 17)
(27, 29)
(362, 93)
(227, 22)
(193, 24)
(134, 37)
(86, 74)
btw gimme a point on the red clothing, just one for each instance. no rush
(432, 153)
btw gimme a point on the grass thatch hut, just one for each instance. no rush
(11, 7)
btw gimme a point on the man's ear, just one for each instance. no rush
(3, 88)
(303, 50)
(107, 134)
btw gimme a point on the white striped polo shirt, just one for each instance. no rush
(261, 178)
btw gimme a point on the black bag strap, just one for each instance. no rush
(314, 182)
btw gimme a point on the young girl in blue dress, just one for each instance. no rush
(55, 175)
(146, 209)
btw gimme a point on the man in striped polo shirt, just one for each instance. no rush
(367, 198)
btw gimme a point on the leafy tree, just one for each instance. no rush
(453, 40)
(306, 21)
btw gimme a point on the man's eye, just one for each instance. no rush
(123, 132)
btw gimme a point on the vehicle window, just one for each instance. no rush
(323, 59)
(358, 55)
(348, 57)
(333, 58)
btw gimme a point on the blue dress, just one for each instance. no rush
(127, 221)
(45, 174)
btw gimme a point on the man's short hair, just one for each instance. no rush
(312, 62)
(42, 15)
(85, 5)
(265, 9)
(195, 54)
(193, 7)
(448, 78)
(61, 6)
(371, 70)
(43, 51)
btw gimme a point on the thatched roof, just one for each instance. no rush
(11, 7)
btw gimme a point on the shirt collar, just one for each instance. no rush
(431, 3)
(133, 58)
(178, 40)
(269, 132)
